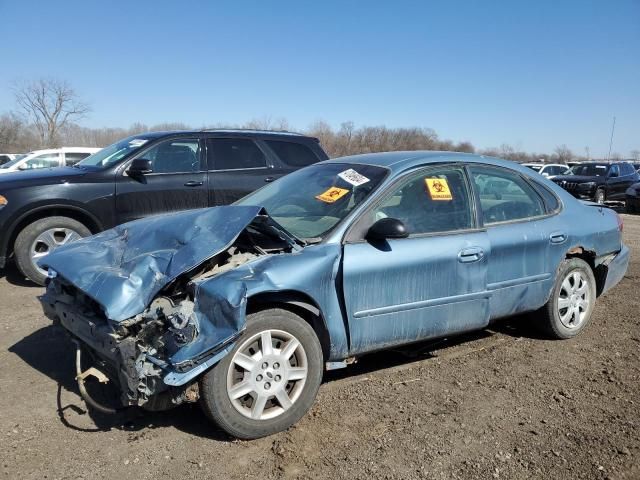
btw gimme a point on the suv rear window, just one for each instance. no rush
(293, 154)
(234, 154)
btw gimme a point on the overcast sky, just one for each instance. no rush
(532, 74)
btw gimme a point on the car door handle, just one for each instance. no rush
(269, 179)
(557, 237)
(471, 254)
(193, 183)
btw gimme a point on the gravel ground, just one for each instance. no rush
(502, 403)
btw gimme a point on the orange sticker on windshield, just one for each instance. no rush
(438, 188)
(333, 194)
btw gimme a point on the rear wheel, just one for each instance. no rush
(40, 238)
(572, 300)
(269, 380)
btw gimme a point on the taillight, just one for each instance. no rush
(620, 222)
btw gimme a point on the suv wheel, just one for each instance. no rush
(599, 196)
(269, 380)
(42, 237)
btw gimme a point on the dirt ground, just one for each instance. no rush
(502, 403)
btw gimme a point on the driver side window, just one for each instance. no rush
(180, 155)
(433, 201)
(505, 196)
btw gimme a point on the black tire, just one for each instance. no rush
(600, 196)
(629, 208)
(549, 318)
(27, 237)
(214, 396)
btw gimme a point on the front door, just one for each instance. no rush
(428, 285)
(178, 181)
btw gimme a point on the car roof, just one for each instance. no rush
(236, 132)
(399, 161)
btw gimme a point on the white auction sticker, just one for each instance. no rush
(353, 177)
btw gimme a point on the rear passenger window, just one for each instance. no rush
(293, 154)
(234, 154)
(431, 202)
(505, 196)
(550, 200)
(71, 158)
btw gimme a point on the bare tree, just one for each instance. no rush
(635, 155)
(563, 154)
(51, 104)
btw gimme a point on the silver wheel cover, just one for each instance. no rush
(573, 299)
(267, 374)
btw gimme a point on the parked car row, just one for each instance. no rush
(596, 181)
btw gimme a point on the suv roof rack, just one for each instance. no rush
(252, 130)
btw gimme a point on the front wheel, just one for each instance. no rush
(572, 300)
(40, 238)
(269, 380)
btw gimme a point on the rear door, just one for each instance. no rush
(428, 285)
(178, 181)
(521, 232)
(237, 166)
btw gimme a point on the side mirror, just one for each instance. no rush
(387, 228)
(140, 166)
(24, 166)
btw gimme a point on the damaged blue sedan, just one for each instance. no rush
(243, 307)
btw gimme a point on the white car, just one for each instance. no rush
(55, 157)
(549, 170)
(7, 157)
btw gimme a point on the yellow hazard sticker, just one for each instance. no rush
(333, 194)
(438, 189)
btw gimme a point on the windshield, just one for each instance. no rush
(11, 163)
(310, 202)
(113, 153)
(590, 170)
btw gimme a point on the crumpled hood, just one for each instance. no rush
(124, 268)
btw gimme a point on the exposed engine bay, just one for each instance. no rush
(139, 352)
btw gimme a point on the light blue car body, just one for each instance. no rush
(365, 297)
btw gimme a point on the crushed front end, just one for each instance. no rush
(156, 355)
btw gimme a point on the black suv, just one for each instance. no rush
(142, 175)
(599, 181)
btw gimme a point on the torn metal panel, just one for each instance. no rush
(312, 272)
(124, 268)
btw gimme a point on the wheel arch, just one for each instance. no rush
(589, 256)
(298, 303)
(64, 210)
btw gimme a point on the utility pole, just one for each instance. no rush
(588, 155)
(613, 128)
